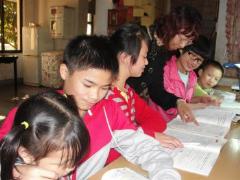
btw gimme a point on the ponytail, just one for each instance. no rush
(9, 151)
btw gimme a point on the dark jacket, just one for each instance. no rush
(152, 78)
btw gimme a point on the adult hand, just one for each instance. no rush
(168, 141)
(29, 172)
(185, 112)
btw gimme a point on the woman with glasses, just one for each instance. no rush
(169, 34)
(179, 78)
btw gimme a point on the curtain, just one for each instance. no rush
(233, 33)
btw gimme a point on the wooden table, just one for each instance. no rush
(227, 166)
(7, 59)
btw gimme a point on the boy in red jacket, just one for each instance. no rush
(88, 69)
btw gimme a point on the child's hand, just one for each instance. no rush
(29, 172)
(198, 105)
(216, 102)
(168, 141)
(185, 112)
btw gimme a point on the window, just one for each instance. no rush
(90, 16)
(10, 25)
(89, 24)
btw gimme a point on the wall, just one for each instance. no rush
(79, 22)
(37, 11)
(221, 36)
(101, 16)
(221, 41)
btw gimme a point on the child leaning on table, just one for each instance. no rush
(130, 44)
(47, 133)
(88, 69)
(209, 75)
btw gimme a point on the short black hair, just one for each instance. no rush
(128, 38)
(201, 46)
(214, 64)
(84, 52)
(53, 123)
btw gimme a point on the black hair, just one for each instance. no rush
(201, 46)
(182, 17)
(128, 38)
(85, 52)
(214, 64)
(51, 123)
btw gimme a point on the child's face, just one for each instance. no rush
(87, 86)
(137, 69)
(57, 162)
(189, 61)
(209, 77)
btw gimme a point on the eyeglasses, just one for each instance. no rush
(195, 57)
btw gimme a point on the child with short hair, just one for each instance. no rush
(209, 75)
(47, 133)
(130, 44)
(88, 70)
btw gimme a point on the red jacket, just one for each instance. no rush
(109, 128)
(138, 111)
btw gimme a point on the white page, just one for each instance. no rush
(202, 129)
(202, 142)
(233, 105)
(235, 111)
(196, 161)
(216, 116)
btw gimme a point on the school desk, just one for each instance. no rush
(227, 166)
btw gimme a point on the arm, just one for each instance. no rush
(139, 148)
(150, 120)
(145, 151)
(29, 172)
(157, 91)
(8, 123)
(160, 96)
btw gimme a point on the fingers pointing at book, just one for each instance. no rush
(185, 112)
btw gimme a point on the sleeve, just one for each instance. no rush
(8, 123)
(150, 120)
(157, 91)
(145, 151)
(198, 91)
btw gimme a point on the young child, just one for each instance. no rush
(88, 70)
(209, 75)
(180, 79)
(47, 133)
(130, 44)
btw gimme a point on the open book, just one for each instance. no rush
(229, 99)
(202, 144)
